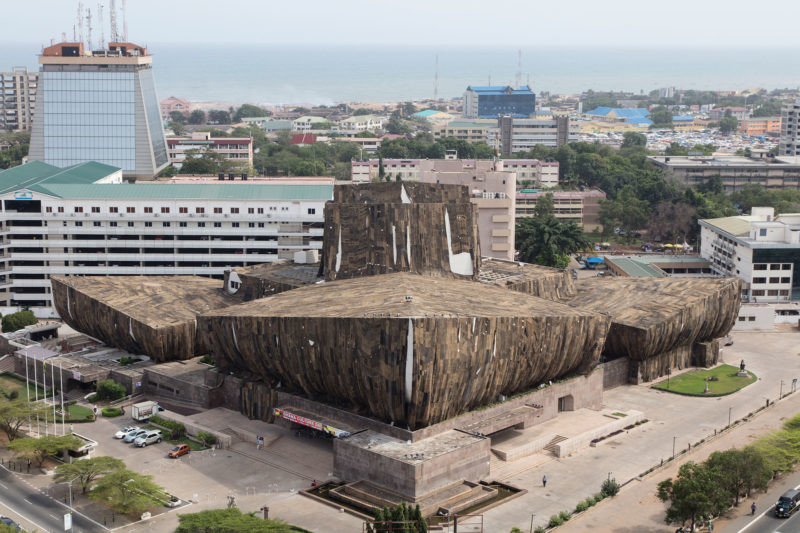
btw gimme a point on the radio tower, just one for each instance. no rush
(518, 77)
(436, 81)
(89, 27)
(112, 17)
(124, 21)
(102, 26)
(80, 22)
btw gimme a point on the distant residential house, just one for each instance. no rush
(236, 149)
(739, 113)
(303, 139)
(307, 123)
(174, 104)
(680, 122)
(362, 123)
(268, 123)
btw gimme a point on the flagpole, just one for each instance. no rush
(44, 399)
(61, 386)
(36, 393)
(28, 390)
(53, 396)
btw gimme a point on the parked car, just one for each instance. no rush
(8, 522)
(151, 437)
(133, 435)
(173, 502)
(180, 449)
(124, 431)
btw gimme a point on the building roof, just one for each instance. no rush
(431, 297)
(169, 191)
(497, 90)
(635, 268)
(682, 118)
(736, 226)
(621, 112)
(425, 113)
(36, 175)
(303, 138)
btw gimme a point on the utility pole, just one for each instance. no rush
(436, 81)
(124, 21)
(673, 447)
(112, 18)
(729, 415)
(89, 27)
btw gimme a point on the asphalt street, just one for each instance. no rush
(34, 511)
(765, 520)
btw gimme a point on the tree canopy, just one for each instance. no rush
(18, 320)
(39, 449)
(545, 240)
(694, 493)
(14, 412)
(126, 491)
(87, 470)
(249, 110)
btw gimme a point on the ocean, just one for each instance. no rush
(328, 74)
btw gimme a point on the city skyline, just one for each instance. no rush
(446, 23)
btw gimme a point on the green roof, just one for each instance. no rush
(635, 268)
(36, 175)
(192, 191)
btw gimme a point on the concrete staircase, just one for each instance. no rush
(551, 446)
(7, 364)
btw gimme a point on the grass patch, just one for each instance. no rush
(11, 382)
(78, 412)
(193, 444)
(693, 383)
(621, 415)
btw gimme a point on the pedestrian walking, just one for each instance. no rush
(122, 409)
(544, 481)
(753, 508)
(29, 465)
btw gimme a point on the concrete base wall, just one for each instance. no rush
(354, 463)
(615, 373)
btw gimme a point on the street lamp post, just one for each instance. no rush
(729, 415)
(781, 393)
(532, 514)
(673, 447)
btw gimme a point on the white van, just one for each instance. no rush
(151, 437)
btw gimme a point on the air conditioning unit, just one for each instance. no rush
(156, 214)
(86, 214)
(191, 215)
(226, 216)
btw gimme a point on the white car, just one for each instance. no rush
(150, 437)
(124, 431)
(133, 435)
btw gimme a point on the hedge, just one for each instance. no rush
(111, 412)
(177, 430)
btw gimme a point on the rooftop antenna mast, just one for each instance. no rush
(89, 27)
(112, 16)
(102, 26)
(518, 77)
(436, 81)
(80, 22)
(125, 20)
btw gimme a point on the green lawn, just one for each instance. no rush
(693, 383)
(11, 382)
(193, 445)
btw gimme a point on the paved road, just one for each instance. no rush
(33, 510)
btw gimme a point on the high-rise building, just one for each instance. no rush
(491, 101)
(790, 129)
(18, 95)
(99, 106)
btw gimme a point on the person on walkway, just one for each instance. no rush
(753, 508)
(29, 465)
(544, 481)
(122, 409)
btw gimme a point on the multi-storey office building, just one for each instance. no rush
(522, 134)
(760, 248)
(99, 106)
(18, 95)
(780, 172)
(540, 174)
(581, 207)
(491, 101)
(83, 220)
(790, 129)
(239, 150)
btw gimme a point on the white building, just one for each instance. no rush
(790, 129)
(308, 123)
(541, 174)
(18, 90)
(762, 249)
(82, 220)
(362, 123)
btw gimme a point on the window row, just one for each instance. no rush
(181, 210)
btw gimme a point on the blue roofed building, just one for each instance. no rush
(638, 116)
(490, 101)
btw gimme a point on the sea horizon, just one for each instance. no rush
(324, 75)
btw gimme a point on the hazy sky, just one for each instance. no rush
(523, 23)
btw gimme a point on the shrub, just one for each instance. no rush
(92, 398)
(590, 501)
(125, 361)
(18, 320)
(540, 530)
(599, 497)
(111, 412)
(555, 521)
(13, 395)
(108, 389)
(207, 359)
(176, 429)
(610, 487)
(90, 417)
(516, 530)
(565, 515)
(581, 507)
(207, 438)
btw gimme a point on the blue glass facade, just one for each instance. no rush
(89, 116)
(153, 112)
(515, 103)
